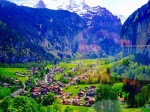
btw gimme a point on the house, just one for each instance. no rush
(86, 99)
(35, 89)
(93, 87)
(92, 101)
(6, 85)
(60, 84)
(66, 102)
(24, 93)
(91, 92)
(16, 81)
(55, 89)
(81, 93)
(44, 91)
(87, 87)
(16, 93)
(44, 85)
(61, 93)
(35, 94)
(76, 97)
(76, 101)
(69, 79)
(121, 100)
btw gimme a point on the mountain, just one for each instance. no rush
(31, 34)
(135, 34)
(40, 4)
(103, 31)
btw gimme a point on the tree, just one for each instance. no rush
(19, 104)
(4, 92)
(56, 106)
(132, 87)
(25, 104)
(126, 62)
(106, 92)
(48, 99)
(107, 99)
(6, 104)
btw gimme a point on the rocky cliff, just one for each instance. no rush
(135, 33)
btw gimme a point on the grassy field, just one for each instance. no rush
(74, 91)
(49, 66)
(10, 72)
(132, 110)
(90, 109)
(77, 108)
(67, 65)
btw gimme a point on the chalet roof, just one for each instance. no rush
(16, 92)
(93, 87)
(36, 89)
(6, 84)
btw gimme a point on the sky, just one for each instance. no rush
(117, 7)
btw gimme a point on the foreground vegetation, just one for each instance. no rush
(120, 83)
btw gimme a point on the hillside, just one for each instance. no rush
(33, 34)
(102, 37)
(29, 34)
(135, 34)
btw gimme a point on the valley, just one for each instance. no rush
(75, 83)
(78, 58)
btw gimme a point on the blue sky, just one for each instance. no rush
(124, 7)
(119, 7)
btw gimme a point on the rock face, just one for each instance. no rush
(103, 29)
(135, 33)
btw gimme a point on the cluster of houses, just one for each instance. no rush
(12, 82)
(84, 97)
(44, 88)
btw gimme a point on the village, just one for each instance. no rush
(75, 84)
(35, 87)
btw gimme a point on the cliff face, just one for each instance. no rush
(135, 33)
(103, 30)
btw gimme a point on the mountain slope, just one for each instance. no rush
(29, 34)
(103, 32)
(33, 34)
(135, 33)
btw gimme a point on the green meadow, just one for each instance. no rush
(10, 72)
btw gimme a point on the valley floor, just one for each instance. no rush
(75, 83)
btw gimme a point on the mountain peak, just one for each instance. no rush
(40, 4)
(76, 6)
